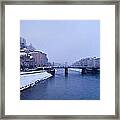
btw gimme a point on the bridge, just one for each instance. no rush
(85, 69)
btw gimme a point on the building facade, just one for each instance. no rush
(26, 61)
(40, 58)
(88, 62)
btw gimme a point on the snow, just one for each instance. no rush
(27, 80)
(23, 53)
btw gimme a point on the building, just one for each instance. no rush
(97, 62)
(31, 58)
(40, 58)
(88, 62)
(26, 61)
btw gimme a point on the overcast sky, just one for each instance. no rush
(63, 40)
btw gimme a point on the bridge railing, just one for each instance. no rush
(76, 67)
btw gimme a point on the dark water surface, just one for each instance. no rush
(60, 87)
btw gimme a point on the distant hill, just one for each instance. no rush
(89, 62)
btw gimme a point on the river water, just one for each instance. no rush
(75, 86)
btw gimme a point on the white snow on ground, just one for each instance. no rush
(27, 79)
(77, 70)
(30, 72)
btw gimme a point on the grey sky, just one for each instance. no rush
(63, 40)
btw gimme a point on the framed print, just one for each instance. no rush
(60, 59)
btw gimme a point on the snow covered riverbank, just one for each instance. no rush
(28, 80)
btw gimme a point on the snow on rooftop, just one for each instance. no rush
(31, 57)
(23, 53)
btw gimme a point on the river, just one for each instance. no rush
(75, 86)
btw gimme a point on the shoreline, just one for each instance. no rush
(29, 79)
